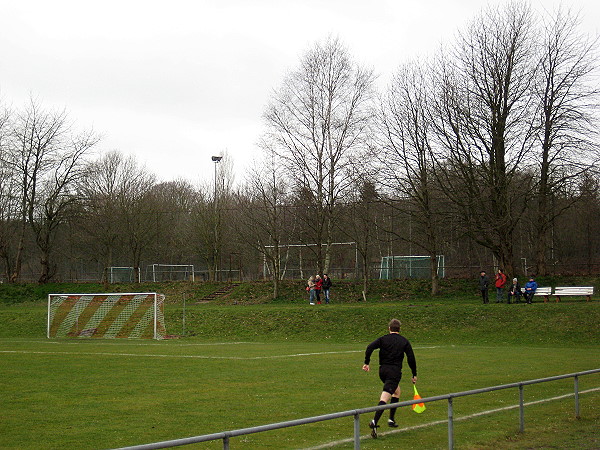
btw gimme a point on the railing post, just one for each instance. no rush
(450, 425)
(521, 409)
(226, 443)
(356, 431)
(577, 397)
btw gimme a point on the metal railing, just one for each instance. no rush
(225, 436)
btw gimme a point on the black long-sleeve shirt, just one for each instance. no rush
(392, 348)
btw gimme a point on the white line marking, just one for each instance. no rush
(175, 356)
(237, 358)
(125, 342)
(456, 419)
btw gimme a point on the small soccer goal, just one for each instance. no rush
(114, 315)
(409, 267)
(170, 272)
(122, 275)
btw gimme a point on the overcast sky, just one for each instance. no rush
(175, 82)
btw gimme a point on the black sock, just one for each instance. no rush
(378, 413)
(393, 410)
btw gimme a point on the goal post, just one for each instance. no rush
(138, 315)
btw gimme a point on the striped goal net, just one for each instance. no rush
(114, 315)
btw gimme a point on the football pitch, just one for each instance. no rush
(93, 394)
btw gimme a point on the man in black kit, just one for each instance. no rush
(392, 348)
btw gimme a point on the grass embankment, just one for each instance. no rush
(248, 313)
(291, 292)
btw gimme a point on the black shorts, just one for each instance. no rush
(390, 376)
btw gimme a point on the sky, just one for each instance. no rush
(174, 83)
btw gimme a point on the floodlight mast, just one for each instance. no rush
(216, 160)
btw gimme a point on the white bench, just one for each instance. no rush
(586, 292)
(545, 292)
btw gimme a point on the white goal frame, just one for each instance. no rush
(130, 271)
(412, 266)
(107, 315)
(186, 269)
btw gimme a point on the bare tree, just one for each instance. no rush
(587, 242)
(567, 98)
(137, 209)
(211, 230)
(261, 205)
(121, 208)
(37, 138)
(483, 112)
(101, 223)
(406, 161)
(56, 196)
(174, 200)
(8, 189)
(317, 122)
(358, 223)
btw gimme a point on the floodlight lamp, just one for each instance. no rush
(217, 158)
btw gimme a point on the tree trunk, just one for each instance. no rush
(435, 279)
(542, 213)
(365, 273)
(16, 275)
(45, 273)
(505, 255)
(276, 270)
(541, 267)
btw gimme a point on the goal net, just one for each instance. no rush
(409, 267)
(170, 272)
(121, 275)
(115, 315)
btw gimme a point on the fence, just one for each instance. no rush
(30, 274)
(227, 435)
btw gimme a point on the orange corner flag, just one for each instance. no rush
(418, 407)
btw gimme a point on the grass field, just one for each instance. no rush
(85, 394)
(242, 366)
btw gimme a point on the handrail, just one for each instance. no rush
(226, 435)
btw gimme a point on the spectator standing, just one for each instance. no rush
(500, 282)
(325, 287)
(530, 288)
(514, 291)
(318, 286)
(311, 289)
(484, 283)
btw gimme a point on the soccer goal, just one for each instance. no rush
(409, 267)
(170, 272)
(115, 315)
(122, 275)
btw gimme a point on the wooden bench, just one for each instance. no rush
(545, 292)
(586, 292)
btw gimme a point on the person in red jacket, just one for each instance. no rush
(318, 286)
(500, 282)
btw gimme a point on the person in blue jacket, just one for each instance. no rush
(530, 288)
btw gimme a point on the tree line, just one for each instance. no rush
(485, 152)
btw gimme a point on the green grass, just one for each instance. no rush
(253, 362)
(84, 394)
